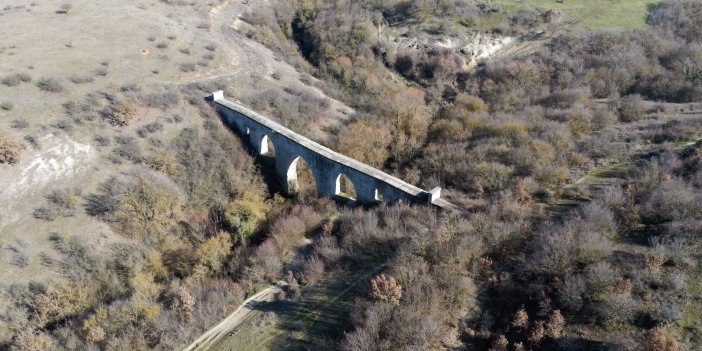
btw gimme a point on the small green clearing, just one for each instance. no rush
(310, 321)
(590, 14)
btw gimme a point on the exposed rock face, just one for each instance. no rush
(473, 48)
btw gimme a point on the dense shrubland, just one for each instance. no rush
(613, 273)
(534, 117)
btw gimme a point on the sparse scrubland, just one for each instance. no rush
(187, 223)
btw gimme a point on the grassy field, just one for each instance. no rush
(590, 14)
(308, 322)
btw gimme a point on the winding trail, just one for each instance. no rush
(214, 334)
(236, 318)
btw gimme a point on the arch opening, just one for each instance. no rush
(300, 179)
(378, 195)
(345, 187)
(267, 147)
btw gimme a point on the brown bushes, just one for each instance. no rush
(385, 288)
(365, 142)
(13, 80)
(61, 202)
(34, 341)
(121, 113)
(630, 108)
(10, 150)
(659, 339)
(50, 84)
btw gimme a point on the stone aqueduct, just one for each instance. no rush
(372, 185)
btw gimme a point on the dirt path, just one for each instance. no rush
(214, 334)
(309, 316)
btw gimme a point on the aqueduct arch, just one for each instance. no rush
(293, 175)
(341, 187)
(371, 185)
(265, 149)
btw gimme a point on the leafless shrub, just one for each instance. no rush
(150, 128)
(162, 45)
(32, 141)
(13, 80)
(603, 118)
(328, 249)
(668, 308)
(102, 140)
(359, 231)
(188, 67)
(7, 106)
(614, 197)
(81, 79)
(312, 270)
(120, 113)
(572, 291)
(50, 84)
(557, 250)
(161, 101)
(32, 340)
(185, 51)
(101, 71)
(614, 308)
(264, 267)
(676, 281)
(129, 149)
(65, 124)
(47, 260)
(625, 342)
(65, 8)
(660, 339)
(62, 202)
(672, 199)
(20, 123)
(85, 107)
(597, 217)
(286, 232)
(130, 88)
(19, 257)
(631, 108)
